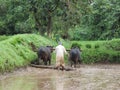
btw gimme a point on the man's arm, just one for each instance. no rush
(65, 51)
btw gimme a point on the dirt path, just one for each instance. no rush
(87, 77)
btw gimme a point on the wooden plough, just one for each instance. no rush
(52, 67)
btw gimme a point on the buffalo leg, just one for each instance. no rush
(75, 63)
(45, 61)
(79, 62)
(50, 62)
(39, 59)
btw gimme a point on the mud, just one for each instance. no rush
(87, 77)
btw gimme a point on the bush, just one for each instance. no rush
(101, 52)
(88, 45)
(79, 33)
(113, 44)
(97, 46)
(76, 45)
(100, 56)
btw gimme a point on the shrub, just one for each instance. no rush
(113, 44)
(104, 52)
(88, 45)
(100, 56)
(79, 33)
(76, 45)
(97, 46)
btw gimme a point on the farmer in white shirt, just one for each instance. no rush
(60, 51)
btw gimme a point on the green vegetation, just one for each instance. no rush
(16, 51)
(100, 51)
(82, 23)
(71, 19)
(3, 37)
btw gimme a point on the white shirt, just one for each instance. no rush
(60, 51)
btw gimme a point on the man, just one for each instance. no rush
(60, 51)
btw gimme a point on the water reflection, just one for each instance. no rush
(45, 81)
(51, 81)
(86, 78)
(59, 81)
(18, 83)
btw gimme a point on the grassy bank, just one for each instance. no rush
(16, 51)
(4, 37)
(100, 51)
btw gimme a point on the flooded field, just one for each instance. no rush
(87, 77)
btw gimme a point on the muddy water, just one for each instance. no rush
(87, 77)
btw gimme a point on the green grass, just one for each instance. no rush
(16, 51)
(100, 51)
(92, 43)
(4, 37)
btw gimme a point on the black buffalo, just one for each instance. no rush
(74, 56)
(44, 53)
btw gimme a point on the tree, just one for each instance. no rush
(103, 20)
(43, 12)
(15, 18)
(88, 19)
